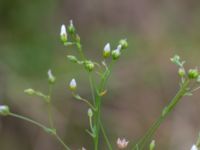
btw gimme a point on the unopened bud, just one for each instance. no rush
(71, 28)
(89, 65)
(63, 34)
(152, 145)
(116, 53)
(72, 58)
(72, 85)
(106, 51)
(4, 110)
(90, 113)
(181, 72)
(193, 73)
(123, 43)
(29, 91)
(51, 78)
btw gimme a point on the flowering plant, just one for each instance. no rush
(189, 83)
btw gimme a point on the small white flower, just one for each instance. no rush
(107, 47)
(106, 50)
(4, 110)
(73, 85)
(119, 47)
(116, 53)
(63, 34)
(122, 143)
(63, 30)
(50, 76)
(194, 147)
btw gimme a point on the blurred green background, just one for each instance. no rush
(142, 83)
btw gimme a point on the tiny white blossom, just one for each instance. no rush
(72, 84)
(107, 47)
(106, 50)
(122, 143)
(116, 53)
(4, 110)
(50, 76)
(63, 30)
(194, 147)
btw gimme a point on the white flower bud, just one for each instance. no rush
(122, 143)
(116, 53)
(73, 85)
(90, 113)
(52, 79)
(63, 34)
(106, 51)
(194, 147)
(71, 28)
(4, 110)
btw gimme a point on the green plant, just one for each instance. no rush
(69, 37)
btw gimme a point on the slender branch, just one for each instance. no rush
(62, 142)
(29, 120)
(141, 144)
(105, 136)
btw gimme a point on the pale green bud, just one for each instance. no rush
(72, 85)
(29, 91)
(63, 34)
(51, 78)
(71, 28)
(193, 73)
(181, 72)
(90, 113)
(116, 53)
(152, 145)
(106, 51)
(89, 65)
(72, 58)
(123, 43)
(4, 110)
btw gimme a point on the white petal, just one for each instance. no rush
(63, 30)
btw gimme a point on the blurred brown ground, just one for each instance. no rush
(142, 83)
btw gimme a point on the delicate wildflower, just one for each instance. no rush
(106, 51)
(51, 78)
(63, 34)
(73, 85)
(194, 147)
(4, 110)
(122, 143)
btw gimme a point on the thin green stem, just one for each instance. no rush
(105, 136)
(29, 120)
(92, 87)
(146, 138)
(49, 107)
(62, 142)
(97, 115)
(46, 129)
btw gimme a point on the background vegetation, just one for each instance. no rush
(142, 83)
